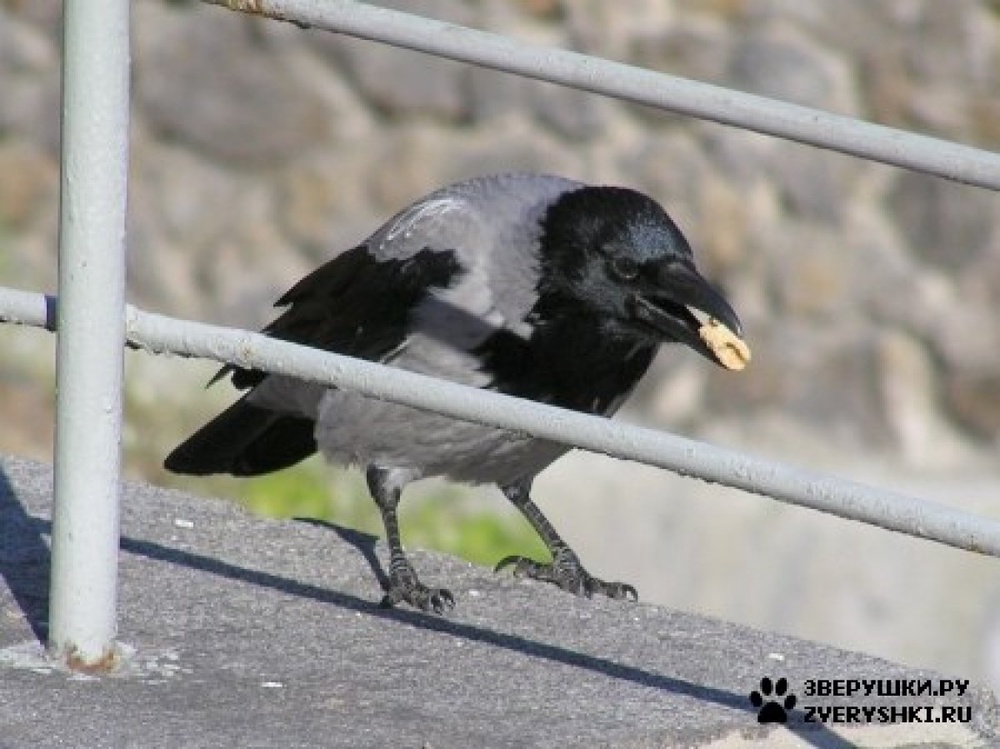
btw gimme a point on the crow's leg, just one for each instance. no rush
(565, 569)
(404, 585)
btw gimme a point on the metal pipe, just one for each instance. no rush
(727, 106)
(91, 320)
(27, 308)
(798, 486)
(826, 493)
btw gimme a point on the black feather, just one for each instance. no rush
(244, 440)
(569, 363)
(355, 305)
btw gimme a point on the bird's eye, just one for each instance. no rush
(625, 268)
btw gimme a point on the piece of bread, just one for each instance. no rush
(731, 350)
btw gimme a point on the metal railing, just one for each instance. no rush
(89, 350)
(94, 323)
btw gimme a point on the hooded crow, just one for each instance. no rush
(531, 285)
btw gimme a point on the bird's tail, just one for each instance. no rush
(244, 440)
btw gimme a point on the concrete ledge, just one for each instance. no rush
(249, 632)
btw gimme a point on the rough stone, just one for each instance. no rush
(400, 83)
(29, 81)
(673, 167)
(572, 115)
(242, 631)
(29, 180)
(405, 165)
(975, 403)
(946, 225)
(911, 396)
(780, 62)
(834, 384)
(697, 48)
(45, 15)
(214, 82)
(818, 277)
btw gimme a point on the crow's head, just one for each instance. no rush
(614, 252)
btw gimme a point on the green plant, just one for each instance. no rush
(446, 520)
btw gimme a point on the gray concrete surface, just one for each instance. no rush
(723, 553)
(239, 631)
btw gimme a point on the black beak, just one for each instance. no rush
(665, 306)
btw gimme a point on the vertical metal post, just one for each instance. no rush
(91, 330)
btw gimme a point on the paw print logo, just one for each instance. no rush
(773, 701)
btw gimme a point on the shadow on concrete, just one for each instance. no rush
(24, 559)
(31, 591)
(363, 542)
(814, 734)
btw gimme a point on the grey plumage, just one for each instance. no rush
(492, 225)
(533, 285)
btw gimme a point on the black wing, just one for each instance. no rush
(355, 305)
(244, 440)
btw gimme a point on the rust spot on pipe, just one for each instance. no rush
(258, 8)
(244, 6)
(106, 663)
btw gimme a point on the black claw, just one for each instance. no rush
(506, 562)
(442, 600)
(405, 587)
(568, 574)
(438, 600)
(523, 567)
(620, 591)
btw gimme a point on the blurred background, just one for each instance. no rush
(871, 295)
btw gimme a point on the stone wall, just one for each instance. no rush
(870, 294)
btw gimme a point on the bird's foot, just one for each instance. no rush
(405, 587)
(566, 571)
